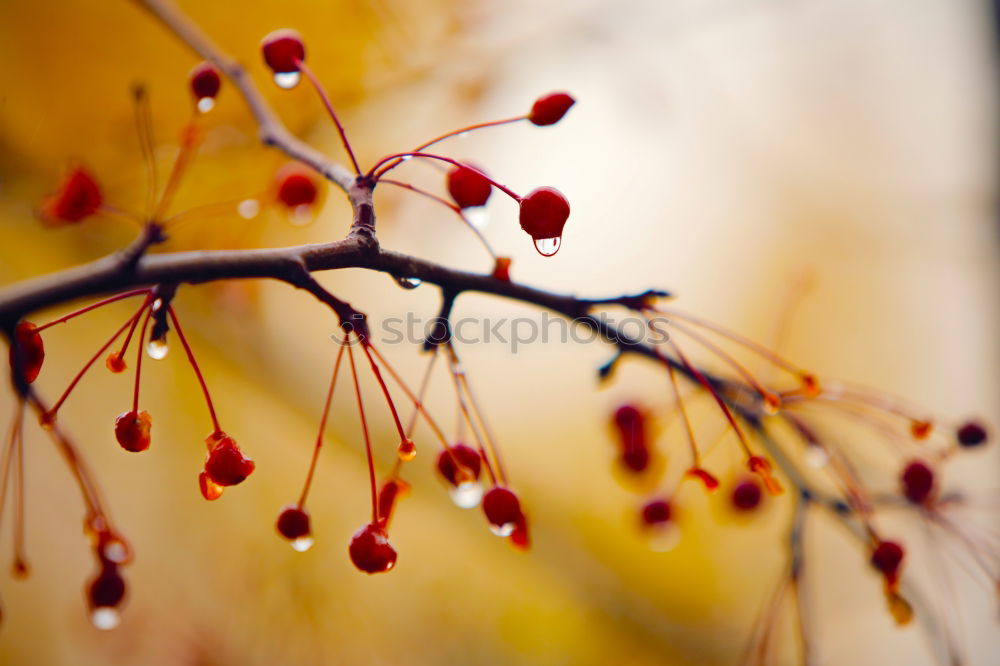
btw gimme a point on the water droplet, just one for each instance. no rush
(504, 530)
(462, 135)
(157, 349)
(478, 216)
(664, 537)
(157, 304)
(116, 551)
(287, 80)
(816, 456)
(301, 215)
(302, 544)
(409, 282)
(105, 617)
(206, 104)
(406, 158)
(407, 450)
(467, 495)
(248, 208)
(548, 246)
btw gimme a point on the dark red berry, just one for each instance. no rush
(370, 550)
(296, 187)
(544, 212)
(971, 434)
(132, 431)
(107, 590)
(205, 81)
(630, 422)
(77, 197)
(293, 523)
(226, 464)
(550, 109)
(887, 558)
(28, 350)
(746, 495)
(459, 456)
(281, 49)
(468, 187)
(655, 513)
(503, 510)
(918, 482)
(635, 458)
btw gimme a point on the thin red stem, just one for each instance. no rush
(138, 361)
(417, 403)
(385, 391)
(487, 433)
(20, 559)
(477, 435)
(194, 366)
(329, 109)
(322, 425)
(189, 141)
(92, 306)
(431, 156)
(364, 429)
(8, 454)
(470, 128)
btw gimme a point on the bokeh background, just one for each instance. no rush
(748, 155)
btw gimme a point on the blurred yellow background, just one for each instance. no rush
(726, 150)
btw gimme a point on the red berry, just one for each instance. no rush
(746, 495)
(77, 197)
(887, 558)
(550, 109)
(636, 458)
(458, 457)
(107, 590)
(971, 434)
(655, 513)
(209, 489)
(281, 49)
(918, 482)
(226, 464)
(468, 187)
(132, 431)
(630, 422)
(205, 81)
(370, 550)
(293, 523)
(503, 510)
(544, 212)
(296, 187)
(28, 349)
(115, 363)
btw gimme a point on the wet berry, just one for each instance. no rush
(918, 482)
(281, 49)
(544, 212)
(226, 464)
(370, 550)
(971, 434)
(205, 81)
(459, 458)
(29, 350)
(132, 431)
(503, 510)
(107, 590)
(746, 495)
(78, 196)
(293, 523)
(655, 513)
(468, 187)
(296, 186)
(549, 109)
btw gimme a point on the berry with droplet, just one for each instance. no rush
(549, 109)
(917, 481)
(226, 465)
(544, 212)
(656, 513)
(293, 523)
(887, 558)
(468, 187)
(371, 551)
(281, 50)
(132, 430)
(503, 510)
(78, 196)
(296, 186)
(459, 463)
(205, 82)
(746, 495)
(28, 350)
(971, 434)
(107, 590)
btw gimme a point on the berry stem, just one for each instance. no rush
(469, 128)
(314, 80)
(364, 430)
(481, 444)
(189, 142)
(6, 465)
(194, 366)
(138, 361)
(385, 391)
(131, 331)
(20, 559)
(688, 430)
(144, 128)
(372, 175)
(322, 426)
(445, 202)
(478, 413)
(92, 306)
